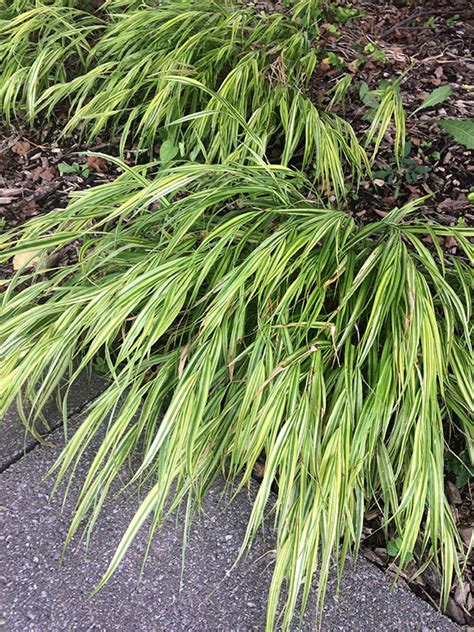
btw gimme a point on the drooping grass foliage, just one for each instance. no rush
(40, 47)
(105, 70)
(256, 64)
(111, 75)
(237, 319)
(19, 6)
(306, 12)
(389, 109)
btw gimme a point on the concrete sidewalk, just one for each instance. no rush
(39, 593)
(15, 442)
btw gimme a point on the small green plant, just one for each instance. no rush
(75, 168)
(375, 53)
(394, 547)
(333, 29)
(427, 152)
(430, 23)
(453, 19)
(407, 171)
(333, 59)
(100, 366)
(343, 14)
(460, 466)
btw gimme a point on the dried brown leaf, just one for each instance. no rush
(25, 260)
(21, 147)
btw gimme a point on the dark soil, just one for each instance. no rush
(38, 172)
(432, 43)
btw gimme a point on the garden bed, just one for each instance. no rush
(370, 42)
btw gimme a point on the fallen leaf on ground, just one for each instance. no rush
(28, 209)
(453, 493)
(21, 147)
(25, 260)
(455, 611)
(4, 162)
(450, 242)
(453, 205)
(258, 470)
(461, 593)
(48, 174)
(96, 164)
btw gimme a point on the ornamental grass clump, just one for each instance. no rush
(39, 47)
(239, 314)
(237, 319)
(251, 61)
(112, 78)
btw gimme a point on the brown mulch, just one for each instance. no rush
(434, 41)
(38, 173)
